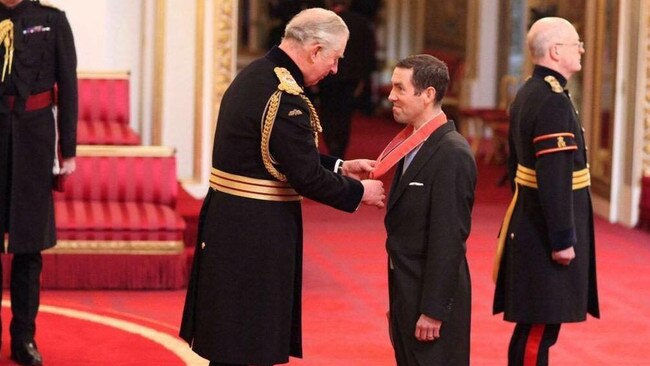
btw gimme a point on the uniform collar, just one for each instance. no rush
(281, 59)
(542, 71)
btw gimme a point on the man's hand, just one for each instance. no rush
(564, 256)
(68, 166)
(373, 193)
(427, 329)
(358, 169)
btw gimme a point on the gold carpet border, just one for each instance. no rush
(174, 344)
(126, 151)
(131, 247)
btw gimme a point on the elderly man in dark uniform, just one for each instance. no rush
(243, 303)
(545, 268)
(39, 56)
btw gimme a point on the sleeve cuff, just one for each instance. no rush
(438, 311)
(338, 166)
(564, 239)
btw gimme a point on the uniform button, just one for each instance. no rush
(203, 245)
(588, 165)
(586, 148)
(512, 235)
(583, 129)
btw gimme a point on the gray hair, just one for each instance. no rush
(541, 42)
(544, 33)
(316, 25)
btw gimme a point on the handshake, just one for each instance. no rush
(373, 190)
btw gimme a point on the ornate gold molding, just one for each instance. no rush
(471, 45)
(224, 25)
(646, 119)
(109, 74)
(158, 247)
(126, 150)
(198, 90)
(158, 70)
(141, 78)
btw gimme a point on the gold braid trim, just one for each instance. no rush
(288, 85)
(271, 112)
(313, 118)
(7, 39)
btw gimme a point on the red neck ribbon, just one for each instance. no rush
(403, 143)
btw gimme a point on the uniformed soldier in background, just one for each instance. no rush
(38, 55)
(243, 303)
(545, 266)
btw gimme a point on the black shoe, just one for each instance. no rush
(26, 354)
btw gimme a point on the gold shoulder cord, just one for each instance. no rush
(7, 40)
(271, 112)
(288, 85)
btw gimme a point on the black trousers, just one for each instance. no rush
(530, 343)
(25, 290)
(404, 356)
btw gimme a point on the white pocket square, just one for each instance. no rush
(418, 184)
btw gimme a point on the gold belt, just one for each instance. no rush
(259, 189)
(528, 178)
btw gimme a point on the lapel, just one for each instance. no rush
(428, 149)
(396, 177)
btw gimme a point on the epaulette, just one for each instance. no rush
(555, 85)
(45, 4)
(287, 82)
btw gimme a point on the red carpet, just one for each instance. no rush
(345, 295)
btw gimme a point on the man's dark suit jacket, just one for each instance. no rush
(428, 221)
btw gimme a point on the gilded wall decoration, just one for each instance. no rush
(646, 125)
(224, 26)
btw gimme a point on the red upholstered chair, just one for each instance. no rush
(104, 109)
(116, 221)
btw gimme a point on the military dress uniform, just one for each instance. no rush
(38, 55)
(243, 303)
(551, 211)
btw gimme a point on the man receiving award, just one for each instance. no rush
(428, 220)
